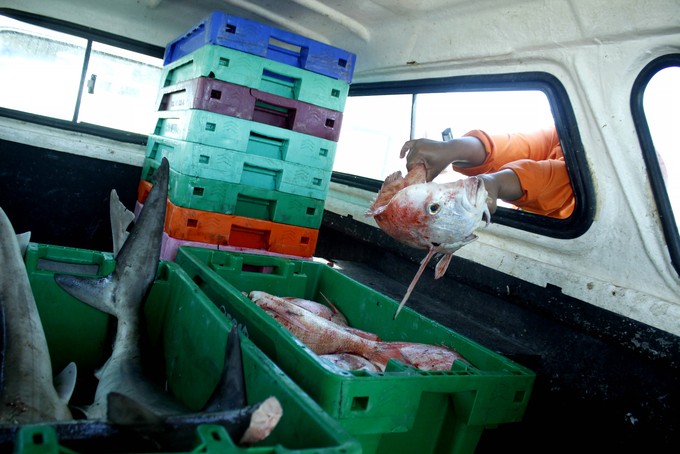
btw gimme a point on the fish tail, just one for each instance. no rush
(382, 352)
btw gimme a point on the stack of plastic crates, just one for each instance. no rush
(248, 117)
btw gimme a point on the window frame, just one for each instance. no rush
(656, 179)
(90, 35)
(567, 129)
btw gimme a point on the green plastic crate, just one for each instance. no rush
(247, 136)
(189, 334)
(83, 321)
(232, 166)
(400, 410)
(198, 193)
(252, 71)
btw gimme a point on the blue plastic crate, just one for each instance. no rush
(265, 41)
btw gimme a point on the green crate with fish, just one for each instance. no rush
(188, 338)
(394, 383)
(173, 375)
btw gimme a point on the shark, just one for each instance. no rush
(133, 424)
(122, 294)
(126, 397)
(29, 392)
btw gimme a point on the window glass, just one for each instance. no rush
(661, 105)
(120, 89)
(41, 69)
(373, 130)
(494, 112)
(375, 127)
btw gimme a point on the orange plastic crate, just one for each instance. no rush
(237, 231)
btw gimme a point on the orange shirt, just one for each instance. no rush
(537, 160)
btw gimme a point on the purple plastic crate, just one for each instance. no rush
(225, 98)
(265, 41)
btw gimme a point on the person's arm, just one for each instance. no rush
(504, 185)
(437, 155)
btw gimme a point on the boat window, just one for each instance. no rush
(377, 120)
(656, 110)
(74, 78)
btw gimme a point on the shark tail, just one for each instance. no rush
(230, 392)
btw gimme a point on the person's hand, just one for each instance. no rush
(435, 155)
(503, 185)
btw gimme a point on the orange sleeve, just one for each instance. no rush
(545, 185)
(538, 161)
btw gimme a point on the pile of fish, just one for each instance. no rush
(438, 217)
(324, 330)
(129, 406)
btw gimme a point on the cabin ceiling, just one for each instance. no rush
(387, 35)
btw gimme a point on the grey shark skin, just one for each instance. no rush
(122, 294)
(27, 391)
(126, 400)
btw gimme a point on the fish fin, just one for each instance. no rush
(375, 211)
(121, 218)
(391, 179)
(65, 382)
(442, 266)
(417, 175)
(423, 264)
(392, 184)
(332, 306)
(97, 292)
(361, 333)
(263, 420)
(382, 353)
(23, 239)
(230, 392)
(124, 411)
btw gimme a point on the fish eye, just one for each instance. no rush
(434, 208)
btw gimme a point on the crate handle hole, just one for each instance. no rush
(519, 396)
(38, 438)
(360, 403)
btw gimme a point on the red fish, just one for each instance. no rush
(441, 218)
(330, 313)
(349, 361)
(324, 337)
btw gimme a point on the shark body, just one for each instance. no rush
(27, 386)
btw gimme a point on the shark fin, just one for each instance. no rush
(121, 218)
(230, 392)
(23, 239)
(97, 292)
(65, 382)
